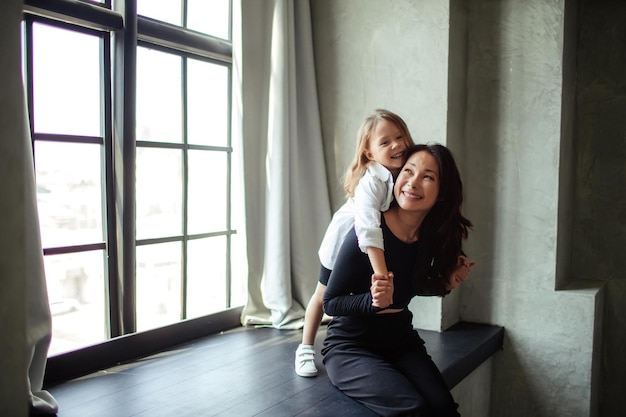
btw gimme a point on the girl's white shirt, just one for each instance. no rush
(372, 195)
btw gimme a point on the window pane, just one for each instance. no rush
(159, 188)
(206, 275)
(159, 97)
(210, 17)
(158, 285)
(207, 192)
(76, 292)
(239, 271)
(69, 193)
(239, 264)
(208, 103)
(66, 78)
(169, 11)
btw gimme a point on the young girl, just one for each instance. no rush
(382, 141)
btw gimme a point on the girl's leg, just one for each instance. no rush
(313, 315)
(305, 354)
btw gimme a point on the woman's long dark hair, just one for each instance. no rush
(443, 230)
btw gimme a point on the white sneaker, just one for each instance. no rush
(305, 361)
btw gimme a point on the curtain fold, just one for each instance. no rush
(13, 378)
(287, 201)
(38, 316)
(25, 312)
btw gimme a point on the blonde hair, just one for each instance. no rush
(359, 164)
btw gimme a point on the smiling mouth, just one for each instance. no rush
(398, 155)
(412, 196)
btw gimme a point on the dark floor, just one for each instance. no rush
(242, 372)
(246, 372)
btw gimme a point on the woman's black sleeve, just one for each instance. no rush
(348, 290)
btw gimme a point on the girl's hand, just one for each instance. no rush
(461, 272)
(382, 290)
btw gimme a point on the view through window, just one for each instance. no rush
(188, 223)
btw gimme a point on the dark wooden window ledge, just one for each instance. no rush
(248, 372)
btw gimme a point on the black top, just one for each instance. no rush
(348, 290)
(349, 301)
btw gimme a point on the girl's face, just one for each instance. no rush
(387, 145)
(417, 185)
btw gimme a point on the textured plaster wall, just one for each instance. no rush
(600, 205)
(371, 54)
(455, 140)
(471, 395)
(515, 134)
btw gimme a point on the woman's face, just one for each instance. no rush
(417, 185)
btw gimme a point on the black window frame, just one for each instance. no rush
(127, 31)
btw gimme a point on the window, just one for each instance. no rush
(157, 146)
(65, 69)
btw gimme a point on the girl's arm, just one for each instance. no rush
(371, 196)
(379, 265)
(349, 287)
(377, 260)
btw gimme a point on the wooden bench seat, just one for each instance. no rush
(248, 372)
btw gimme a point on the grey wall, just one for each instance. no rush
(517, 131)
(366, 53)
(535, 177)
(600, 203)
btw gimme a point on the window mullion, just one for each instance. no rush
(124, 139)
(185, 205)
(113, 290)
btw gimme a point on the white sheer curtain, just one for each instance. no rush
(287, 204)
(25, 323)
(38, 317)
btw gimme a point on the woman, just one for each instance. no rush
(371, 351)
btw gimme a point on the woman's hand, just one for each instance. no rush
(460, 274)
(382, 290)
